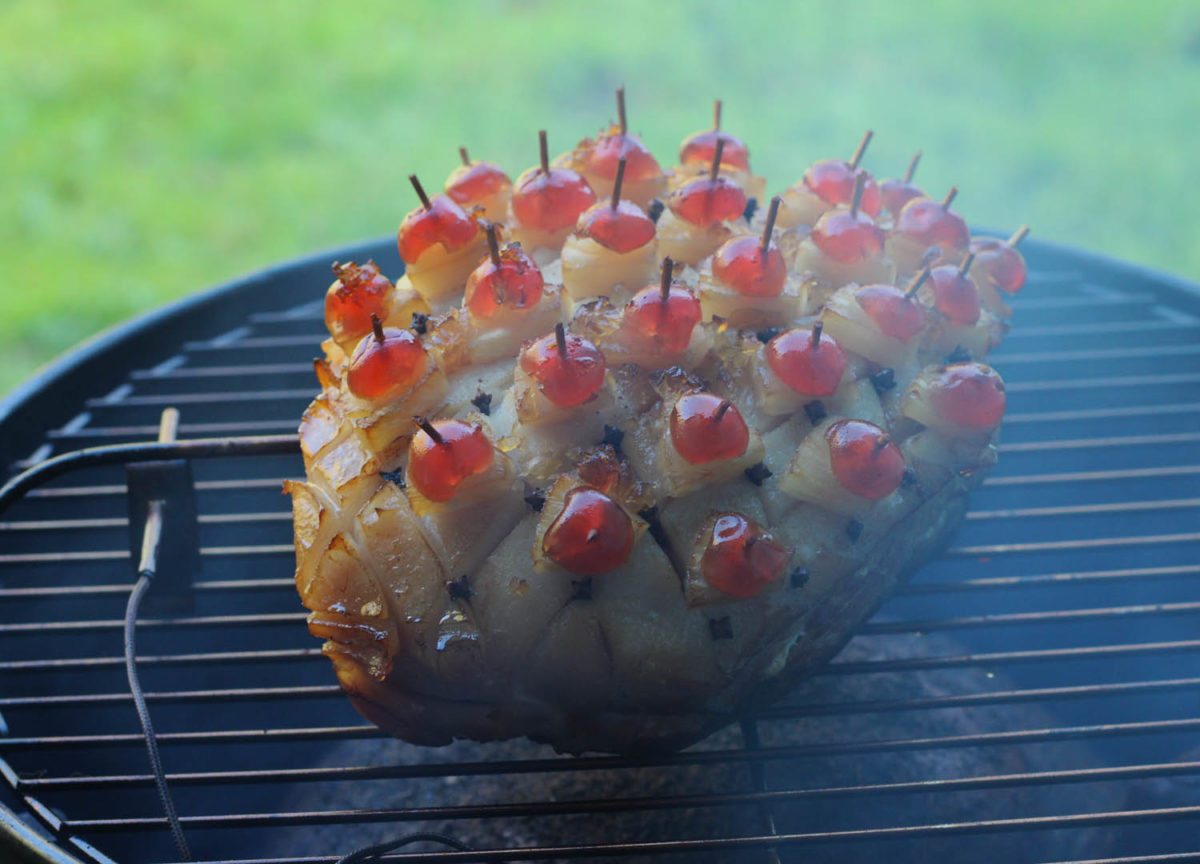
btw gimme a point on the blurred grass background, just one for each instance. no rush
(151, 150)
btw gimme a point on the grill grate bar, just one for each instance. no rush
(240, 694)
(909, 832)
(617, 805)
(1057, 616)
(1108, 381)
(1093, 476)
(1153, 351)
(1081, 509)
(75, 664)
(119, 489)
(122, 522)
(597, 763)
(166, 400)
(1080, 578)
(1105, 413)
(185, 429)
(257, 370)
(98, 590)
(1062, 545)
(290, 618)
(233, 736)
(1043, 694)
(1117, 441)
(121, 554)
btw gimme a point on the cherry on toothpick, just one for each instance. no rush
(864, 459)
(810, 362)
(358, 293)
(849, 236)
(506, 279)
(622, 226)
(705, 427)
(894, 312)
(701, 146)
(568, 369)
(933, 223)
(437, 220)
(706, 201)
(386, 364)
(954, 292)
(969, 394)
(550, 199)
(592, 535)
(662, 317)
(897, 193)
(1000, 262)
(443, 454)
(750, 266)
(741, 559)
(833, 180)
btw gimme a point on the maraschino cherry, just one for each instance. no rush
(1000, 262)
(701, 147)
(358, 293)
(708, 200)
(833, 180)
(569, 370)
(609, 149)
(550, 199)
(705, 427)
(954, 292)
(969, 394)
(507, 279)
(662, 317)
(808, 361)
(752, 267)
(443, 454)
(592, 535)
(741, 559)
(474, 182)
(896, 313)
(437, 220)
(385, 364)
(621, 226)
(933, 223)
(897, 193)
(864, 459)
(849, 236)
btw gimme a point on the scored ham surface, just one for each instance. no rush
(621, 574)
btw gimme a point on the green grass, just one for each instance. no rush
(150, 150)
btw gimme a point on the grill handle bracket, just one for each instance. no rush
(163, 491)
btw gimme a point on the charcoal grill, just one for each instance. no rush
(1035, 693)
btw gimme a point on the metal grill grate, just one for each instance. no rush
(1034, 696)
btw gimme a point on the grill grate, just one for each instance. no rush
(1033, 696)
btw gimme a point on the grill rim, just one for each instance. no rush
(62, 389)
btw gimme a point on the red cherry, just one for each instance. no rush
(833, 181)
(705, 428)
(358, 293)
(932, 223)
(1003, 265)
(701, 147)
(897, 193)
(864, 459)
(551, 200)
(385, 364)
(664, 325)
(954, 294)
(741, 559)
(472, 183)
(848, 237)
(592, 535)
(894, 312)
(568, 369)
(706, 201)
(611, 147)
(969, 394)
(443, 454)
(442, 221)
(740, 264)
(807, 370)
(516, 283)
(622, 230)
